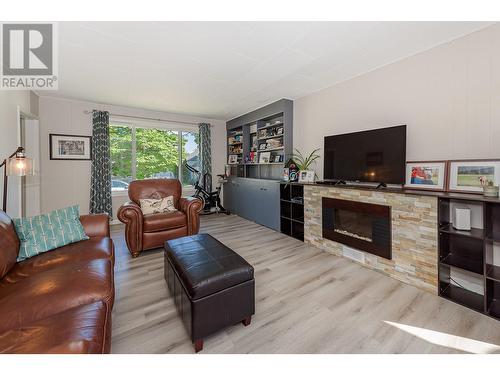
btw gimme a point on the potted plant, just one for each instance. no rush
(489, 189)
(304, 163)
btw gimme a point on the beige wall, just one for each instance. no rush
(448, 96)
(9, 140)
(68, 182)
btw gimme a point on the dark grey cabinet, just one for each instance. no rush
(253, 199)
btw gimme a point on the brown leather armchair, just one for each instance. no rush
(144, 232)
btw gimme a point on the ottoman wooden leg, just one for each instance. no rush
(198, 345)
(247, 321)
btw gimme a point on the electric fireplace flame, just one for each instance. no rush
(360, 225)
(347, 233)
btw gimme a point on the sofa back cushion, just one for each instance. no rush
(155, 189)
(42, 233)
(9, 244)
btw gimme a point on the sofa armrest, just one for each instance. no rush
(191, 207)
(95, 225)
(131, 215)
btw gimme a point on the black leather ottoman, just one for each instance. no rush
(213, 287)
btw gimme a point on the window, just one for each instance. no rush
(143, 152)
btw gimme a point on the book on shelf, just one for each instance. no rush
(270, 132)
(274, 143)
(235, 149)
(234, 139)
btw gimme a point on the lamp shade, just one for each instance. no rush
(19, 165)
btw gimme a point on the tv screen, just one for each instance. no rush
(377, 155)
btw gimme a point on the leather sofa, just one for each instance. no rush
(59, 301)
(145, 232)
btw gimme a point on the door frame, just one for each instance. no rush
(21, 116)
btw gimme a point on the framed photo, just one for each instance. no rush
(471, 175)
(426, 175)
(265, 157)
(306, 176)
(70, 147)
(232, 159)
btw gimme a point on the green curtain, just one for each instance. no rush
(100, 187)
(206, 154)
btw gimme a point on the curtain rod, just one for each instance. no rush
(148, 118)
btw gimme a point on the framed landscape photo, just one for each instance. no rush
(426, 175)
(70, 147)
(471, 175)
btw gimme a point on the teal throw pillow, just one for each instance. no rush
(42, 233)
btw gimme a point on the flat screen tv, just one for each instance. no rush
(377, 155)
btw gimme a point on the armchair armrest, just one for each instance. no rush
(95, 225)
(131, 215)
(191, 207)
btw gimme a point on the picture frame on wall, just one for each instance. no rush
(427, 175)
(469, 176)
(70, 147)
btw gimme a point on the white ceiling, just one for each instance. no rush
(223, 69)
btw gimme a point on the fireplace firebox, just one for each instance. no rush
(364, 226)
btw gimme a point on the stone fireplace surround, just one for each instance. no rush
(414, 232)
(361, 225)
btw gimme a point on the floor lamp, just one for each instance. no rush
(17, 164)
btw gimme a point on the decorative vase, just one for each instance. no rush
(490, 191)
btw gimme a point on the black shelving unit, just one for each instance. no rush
(472, 253)
(292, 210)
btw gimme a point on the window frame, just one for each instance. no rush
(143, 124)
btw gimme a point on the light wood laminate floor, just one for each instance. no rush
(307, 301)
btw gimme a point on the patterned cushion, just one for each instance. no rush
(157, 206)
(42, 233)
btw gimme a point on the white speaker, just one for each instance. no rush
(461, 218)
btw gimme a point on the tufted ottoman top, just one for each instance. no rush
(205, 265)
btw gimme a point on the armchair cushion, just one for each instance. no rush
(157, 206)
(164, 221)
